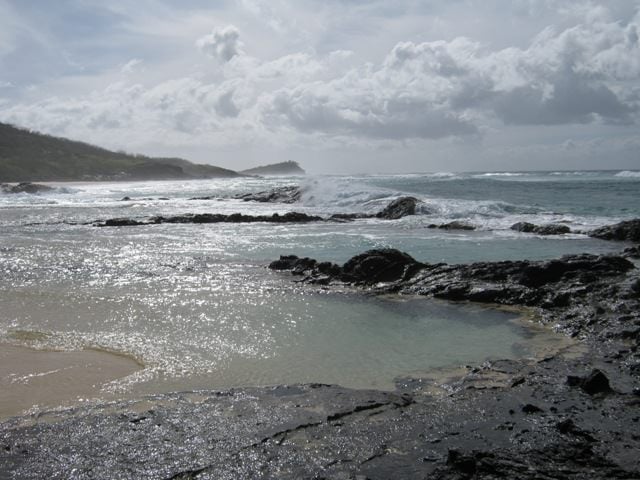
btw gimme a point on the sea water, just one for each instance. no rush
(197, 306)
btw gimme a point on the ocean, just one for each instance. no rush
(197, 308)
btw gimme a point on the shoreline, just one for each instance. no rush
(39, 379)
(89, 381)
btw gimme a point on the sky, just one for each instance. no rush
(340, 86)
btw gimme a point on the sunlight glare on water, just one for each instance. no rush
(197, 305)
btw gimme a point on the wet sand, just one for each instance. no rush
(48, 379)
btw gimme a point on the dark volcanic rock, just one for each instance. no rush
(288, 194)
(629, 231)
(322, 431)
(121, 222)
(564, 284)
(373, 266)
(289, 217)
(347, 217)
(382, 265)
(571, 266)
(632, 252)
(595, 382)
(456, 225)
(552, 229)
(549, 229)
(398, 208)
(25, 187)
(298, 266)
(525, 227)
(286, 262)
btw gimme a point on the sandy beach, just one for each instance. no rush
(46, 378)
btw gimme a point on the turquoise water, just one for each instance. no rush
(197, 305)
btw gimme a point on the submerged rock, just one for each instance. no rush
(623, 231)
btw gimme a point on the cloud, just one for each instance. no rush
(418, 92)
(224, 105)
(131, 65)
(222, 44)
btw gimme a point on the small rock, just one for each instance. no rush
(549, 229)
(623, 231)
(530, 408)
(380, 265)
(463, 463)
(400, 207)
(517, 381)
(456, 225)
(595, 382)
(285, 262)
(552, 229)
(524, 227)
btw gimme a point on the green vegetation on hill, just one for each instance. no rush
(29, 156)
(283, 168)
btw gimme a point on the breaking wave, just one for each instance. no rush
(628, 174)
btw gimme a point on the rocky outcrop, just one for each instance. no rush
(398, 208)
(380, 265)
(290, 217)
(623, 231)
(25, 187)
(371, 267)
(560, 285)
(549, 229)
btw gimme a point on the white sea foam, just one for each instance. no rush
(628, 174)
(500, 174)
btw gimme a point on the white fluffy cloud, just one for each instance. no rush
(584, 73)
(222, 44)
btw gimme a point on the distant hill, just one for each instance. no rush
(284, 168)
(29, 156)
